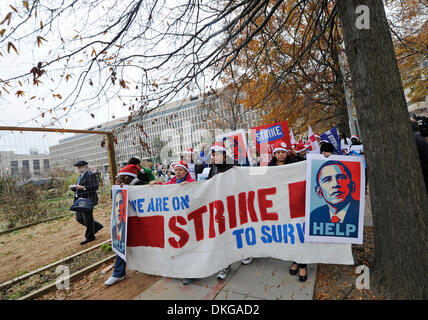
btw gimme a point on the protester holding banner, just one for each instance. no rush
(189, 159)
(327, 149)
(301, 151)
(280, 154)
(281, 158)
(182, 176)
(345, 143)
(132, 174)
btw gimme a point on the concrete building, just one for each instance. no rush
(170, 128)
(24, 166)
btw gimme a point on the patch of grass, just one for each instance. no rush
(21, 273)
(14, 295)
(106, 247)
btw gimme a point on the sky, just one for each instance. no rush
(19, 111)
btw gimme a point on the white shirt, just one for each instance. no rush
(341, 214)
(192, 170)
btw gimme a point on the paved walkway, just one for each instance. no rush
(265, 278)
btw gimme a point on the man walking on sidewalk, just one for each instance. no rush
(86, 187)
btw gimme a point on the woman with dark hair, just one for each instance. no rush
(281, 157)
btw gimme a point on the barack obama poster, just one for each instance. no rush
(335, 198)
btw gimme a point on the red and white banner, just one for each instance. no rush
(195, 230)
(312, 142)
(264, 138)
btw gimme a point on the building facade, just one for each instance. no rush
(25, 166)
(166, 131)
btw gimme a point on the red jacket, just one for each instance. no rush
(173, 180)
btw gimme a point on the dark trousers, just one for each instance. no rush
(86, 219)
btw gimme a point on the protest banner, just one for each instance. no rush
(265, 136)
(119, 220)
(332, 137)
(335, 199)
(197, 229)
(236, 146)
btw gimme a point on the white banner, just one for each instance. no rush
(195, 230)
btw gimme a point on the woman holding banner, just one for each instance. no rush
(222, 163)
(132, 174)
(280, 157)
(182, 177)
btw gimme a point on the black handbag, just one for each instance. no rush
(82, 204)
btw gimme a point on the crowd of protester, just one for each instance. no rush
(213, 160)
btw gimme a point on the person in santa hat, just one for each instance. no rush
(188, 157)
(131, 174)
(356, 145)
(280, 157)
(281, 154)
(182, 175)
(301, 151)
(317, 136)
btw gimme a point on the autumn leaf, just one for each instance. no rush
(25, 3)
(36, 82)
(43, 114)
(33, 97)
(2, 31)
(39, 40)
(13, 8)
(11, 45)
(67, 77)
(57, 95)
(93, 53)
(7, 18)
(41, 24)
(19, 93)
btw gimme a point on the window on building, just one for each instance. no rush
(46, 164)
(26, 164)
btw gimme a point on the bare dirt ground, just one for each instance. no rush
(26, 250)
(91, 287)
(338, 282)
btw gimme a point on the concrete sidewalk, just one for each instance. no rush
(265, 278)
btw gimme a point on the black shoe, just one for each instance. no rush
(87, 240)
(293, 272)
(303, 278)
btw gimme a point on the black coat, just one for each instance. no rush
(90, 182)
(220, 168)
(288, 160)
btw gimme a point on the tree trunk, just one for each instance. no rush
(342, 118)
(398, 195)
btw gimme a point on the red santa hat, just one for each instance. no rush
(300, 147)
(189, 151)
(355, 136)
(317, 135)
(130, 170)
(181, 164)
(280, 146)
(218, 147)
